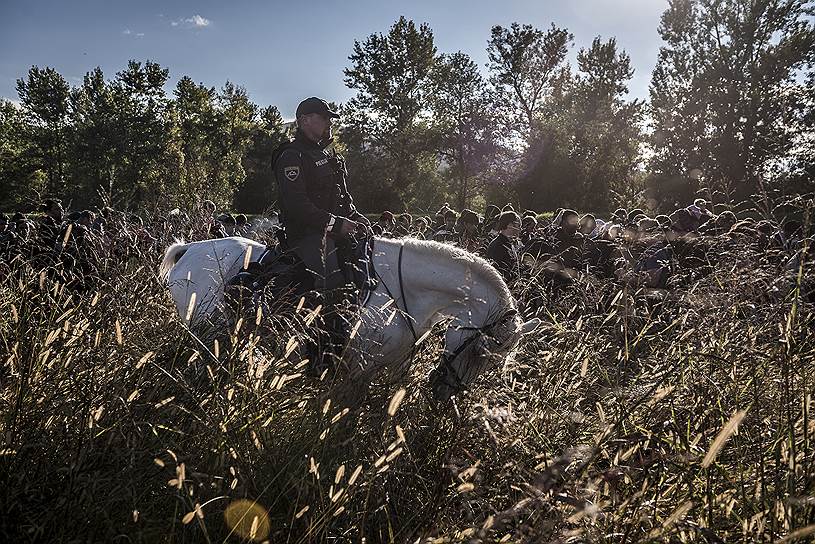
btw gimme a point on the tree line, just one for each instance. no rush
(731, 111)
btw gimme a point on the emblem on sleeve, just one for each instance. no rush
(291, 172)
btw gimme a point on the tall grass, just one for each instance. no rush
(686, 418)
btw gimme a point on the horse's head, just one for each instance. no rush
(486, 347)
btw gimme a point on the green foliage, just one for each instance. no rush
(20, 178)
(124, 142)
(258, 191)
(122, 150)
(728, 95)
(526, 64)
(385, 121)
(44, 98)
(586, 152)
(464, 125)
(731, 112)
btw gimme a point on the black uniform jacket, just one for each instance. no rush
(313, 193)
(503, 254)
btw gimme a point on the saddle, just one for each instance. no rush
(280, 273)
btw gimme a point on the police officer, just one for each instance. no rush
(316, 208)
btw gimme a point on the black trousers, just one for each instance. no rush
(319, 253)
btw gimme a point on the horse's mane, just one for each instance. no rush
(484, 269)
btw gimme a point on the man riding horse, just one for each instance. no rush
(316, 209)
(419, 283)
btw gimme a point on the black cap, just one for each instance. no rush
(315, 105)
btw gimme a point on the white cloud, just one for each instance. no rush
(127, 32)
(199, 21)
(196, 21)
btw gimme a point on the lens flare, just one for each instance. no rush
(248, 520)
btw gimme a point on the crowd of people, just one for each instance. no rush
(627, 246)
(81, 247)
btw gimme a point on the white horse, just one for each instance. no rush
(423, 282)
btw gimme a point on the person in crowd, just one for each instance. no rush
(216, 229)
(404, 221)
(620, 216)
(567, 241)
(529, 229)
(385, 226)
(468, 231)
(228, 224)
(447, 232)
(502, 251)
(588, 226)
(699, 210)
(419, 228)
(49, 224)
(241, 225)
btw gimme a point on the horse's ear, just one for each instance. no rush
(530, 326)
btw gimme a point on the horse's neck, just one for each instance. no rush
(437, 286)
(257, 249)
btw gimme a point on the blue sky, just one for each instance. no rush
(282, 52)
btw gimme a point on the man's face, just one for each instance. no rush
(587, 226)
(570, 224)
(316, 126)
(512, 230)
(56, 212)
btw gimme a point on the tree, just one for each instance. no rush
(97, 148)
(385, 125)
(146, 158)
(590, 144)
(20, 178)
(727, 96)
(260, 187)
(44, 99)
(463, 123)
(194, 105)
(235, 123)
(525, 64)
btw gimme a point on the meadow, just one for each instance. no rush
(626, 418)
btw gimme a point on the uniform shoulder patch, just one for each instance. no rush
(291, 172)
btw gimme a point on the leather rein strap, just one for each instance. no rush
(446, 358)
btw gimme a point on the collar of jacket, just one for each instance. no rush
(303, 140)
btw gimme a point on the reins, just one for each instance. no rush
(405, 313)
(446, 358)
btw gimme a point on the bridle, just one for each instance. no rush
(447, 359)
